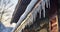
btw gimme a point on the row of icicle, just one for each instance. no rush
(32, 13)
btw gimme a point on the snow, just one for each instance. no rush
(5, 29)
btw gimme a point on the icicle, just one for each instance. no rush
(49, 3)
(30, 20)
(43, 8)
(40, 11)
(44, 13)
(46, 1)
(34, 14)
(38, 8)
